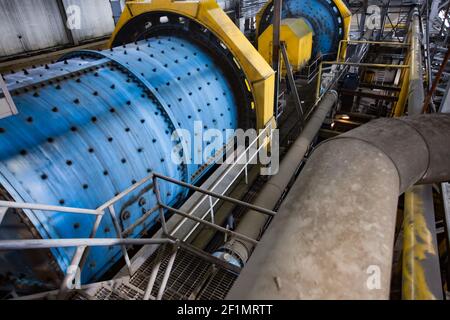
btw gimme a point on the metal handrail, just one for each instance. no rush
(52, 208)
(162, 206)
(217, 183)
(216, 195)
(82, 245)
(43, 207)
(67, 243)
(212, 205)
(125, 193)
(310, 72)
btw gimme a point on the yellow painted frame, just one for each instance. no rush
(259, 74)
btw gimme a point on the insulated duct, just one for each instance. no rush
(333, 236)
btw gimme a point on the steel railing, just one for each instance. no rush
(82, 245)
(267, 131)
(163, 207)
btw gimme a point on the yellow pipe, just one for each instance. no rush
(403, 96)
(417, 248)
(421, 278)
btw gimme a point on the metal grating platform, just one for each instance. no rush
(192, 278)
(218, 286)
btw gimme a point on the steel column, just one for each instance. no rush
(436, 80)
(290, 76)
(64, 17)
(116, 7)
(362, 24)
(421, 278)
(276, 50)
(384, 14)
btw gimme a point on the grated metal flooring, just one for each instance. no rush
(192, 278)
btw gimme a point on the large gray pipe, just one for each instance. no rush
(416, 95)
(253, 222)
(333, 236)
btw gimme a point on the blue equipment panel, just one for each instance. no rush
(93, 124)
(322, 16)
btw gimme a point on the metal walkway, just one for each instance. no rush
(192, 278)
